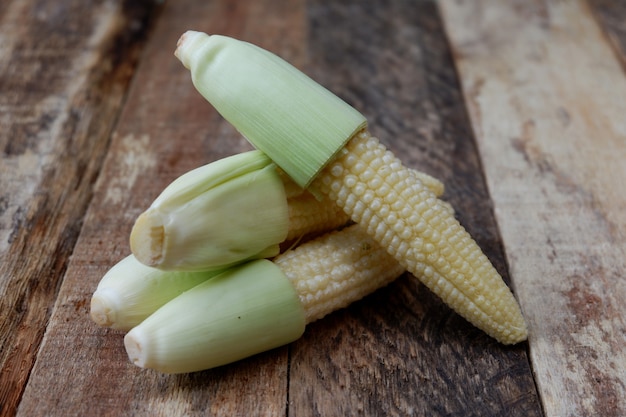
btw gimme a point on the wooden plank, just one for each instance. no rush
(64, 70)
(546, 97)
(401, 351)
(611, 15)
(166, 129)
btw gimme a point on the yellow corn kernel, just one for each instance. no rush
(406, 218)
(334, 270)
(309, 214)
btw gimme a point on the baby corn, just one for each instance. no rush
(354, 170)
(405, 217)
(130, 291)
(225, 212)
(260, 305)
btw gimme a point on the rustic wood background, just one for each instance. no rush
(519, 107)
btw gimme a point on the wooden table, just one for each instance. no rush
(519, 107)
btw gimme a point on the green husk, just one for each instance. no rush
(215, 216)
(299, 124)
(131, 291)
(245, 310)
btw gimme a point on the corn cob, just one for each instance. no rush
(332, 271)
(130, 291)
(260, 305)
(354, 170)
(203, 220)
(233, 209)
(402, 215)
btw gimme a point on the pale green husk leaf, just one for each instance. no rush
(215, 216)
(281, 111)
(246, 310)
(130, 291)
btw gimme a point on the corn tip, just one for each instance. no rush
(103, 310)
(520, 334)
(135, 348)
(182, 46)
(147, 238)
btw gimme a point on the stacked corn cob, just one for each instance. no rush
(198, 293)
(347, 165)
(306, 283)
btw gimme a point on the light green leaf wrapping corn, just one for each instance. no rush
(215, 216)
(321, 110)
(362, 177)
(131, 291)
(252, 308)
(249, 308)
(225, 212)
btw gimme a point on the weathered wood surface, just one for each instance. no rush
(64, 71)
(547, 97)
(85, 150)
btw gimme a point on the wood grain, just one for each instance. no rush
(64, 70)
(517, 106)
(546, 96)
